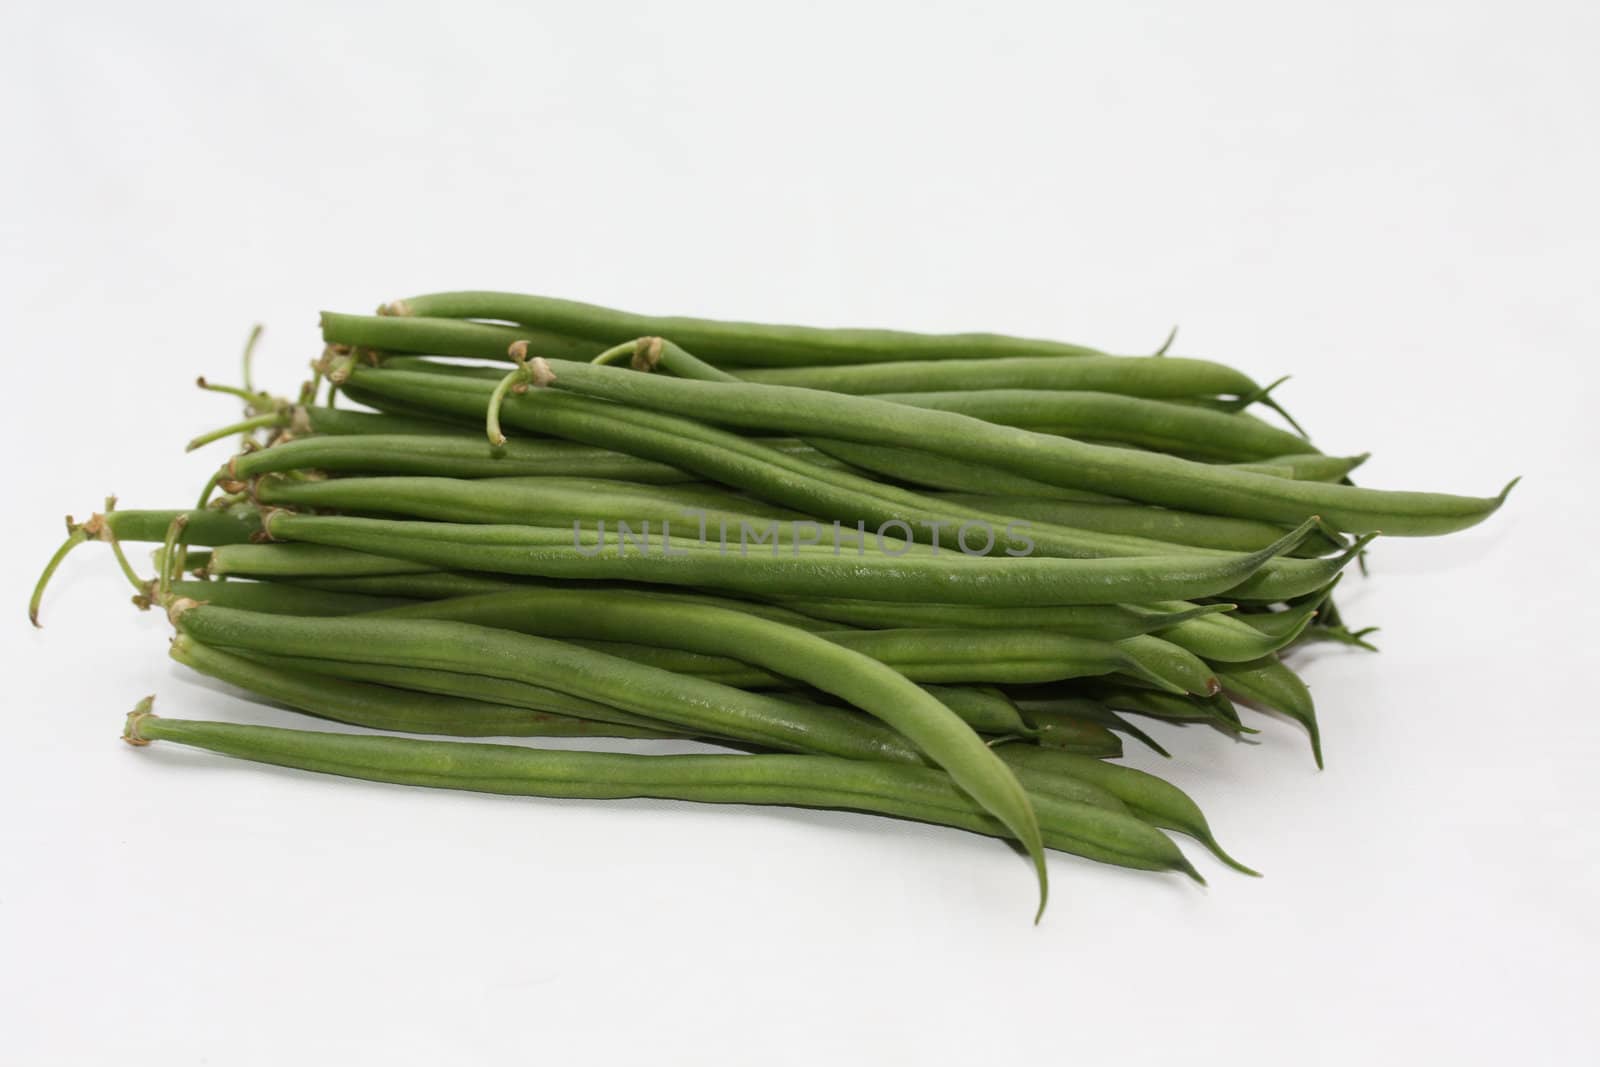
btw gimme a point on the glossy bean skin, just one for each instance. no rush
(1150, 377)
(383, 707)
(1114, 417)
(851, 676)
(796, 483)
(946, 578)
(1145, 476)
(916, 793)
(728, 343)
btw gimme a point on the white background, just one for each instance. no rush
(1394, 203)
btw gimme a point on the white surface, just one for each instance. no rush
(1393, 203)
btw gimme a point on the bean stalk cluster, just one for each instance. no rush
(524, 532)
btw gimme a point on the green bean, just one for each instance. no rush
(1175, 666)
(792, 482)
(1268, 683)
(496, 691)
(1145, 476)
(446, 337)
(1061, 713)
(983, 657)
(1158, 802)
(727, 635)
(1108, 622)
(946, 472)
(205, 527)
(430, 585)
(1214, 710)
(1306, 467)
(454, 455)
(867, 684)
(1150, 377)
(698, 513)
(984, 708)
(1220, 638)
(1140, 520)
(277, 598)
(303, 560)
(343, 422)
(805, 781)
(382, 707)
(1285, 627)
(1073, 733)
(946, 578)
(1113, 417)
(730, 343)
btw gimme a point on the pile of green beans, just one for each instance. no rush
(932, 577)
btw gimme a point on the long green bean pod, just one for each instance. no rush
(1147, 476)
(804, 572)
(916, 793)
(385, 707)
(731, 343)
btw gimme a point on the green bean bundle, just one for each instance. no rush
(943, 578)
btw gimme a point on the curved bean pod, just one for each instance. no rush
(1156, 801)
(1267, 682)
(702, 708)
(869, 685)
(1045, 714)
